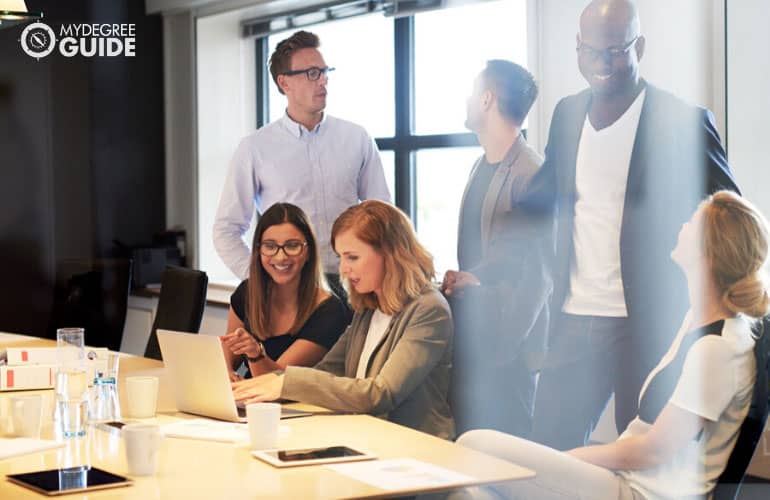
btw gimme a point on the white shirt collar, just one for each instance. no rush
(297, 129)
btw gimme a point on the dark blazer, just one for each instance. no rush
(513, 270)
(501, 326)
(677, 160)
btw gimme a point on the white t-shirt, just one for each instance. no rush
(377, 328)
(601, 174)
(716, 383)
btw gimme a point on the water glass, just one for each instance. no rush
(73, 478)
(26, 414)
(71, 381)
(105, 405)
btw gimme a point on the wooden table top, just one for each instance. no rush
(225, 470)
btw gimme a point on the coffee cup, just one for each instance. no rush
(142, 443)
(141, 396)
(263, 420)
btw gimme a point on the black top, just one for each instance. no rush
(471, 213)
(661, 387)
(323, 327)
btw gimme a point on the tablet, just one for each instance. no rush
(69, 480)
(312, 456)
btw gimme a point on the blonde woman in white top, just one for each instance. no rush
(693, 403)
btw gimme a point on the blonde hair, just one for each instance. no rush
(736, 245)
(408, 266)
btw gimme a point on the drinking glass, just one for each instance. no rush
(71, 382)
(105, 406)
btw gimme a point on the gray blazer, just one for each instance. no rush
(517, 247)
(500, 216)
(407, 379)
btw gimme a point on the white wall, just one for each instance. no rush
(226, 113)
(748, 87)
(179, 103)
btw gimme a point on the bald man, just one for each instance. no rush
(626, 164)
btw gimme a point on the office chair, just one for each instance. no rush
(92, 294)
(180, 307)
(729, 485)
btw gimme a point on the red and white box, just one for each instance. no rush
(27, 377)
(29, 368)
(31, 355)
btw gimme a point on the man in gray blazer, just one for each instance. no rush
(499, 296)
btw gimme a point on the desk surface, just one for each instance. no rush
(221, 470)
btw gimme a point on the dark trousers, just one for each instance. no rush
(491, 386)
(589, 358)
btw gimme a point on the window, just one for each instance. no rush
(445, 67)
(406, 81)
(441, 178)
(361, 86)
(446, 64)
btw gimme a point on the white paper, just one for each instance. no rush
(401, 474)
(13, 447)
(207, 430)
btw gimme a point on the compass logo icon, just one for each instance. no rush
(38, 40)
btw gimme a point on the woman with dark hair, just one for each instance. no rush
(283, 313)
(393, 361)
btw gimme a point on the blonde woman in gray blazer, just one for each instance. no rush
(393, 360)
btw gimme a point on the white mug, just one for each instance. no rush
(141, 396)
(142, 442)
(263, 419)
(26, 414)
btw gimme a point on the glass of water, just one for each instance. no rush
(105, 405)
(71, 382)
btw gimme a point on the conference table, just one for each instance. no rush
(210, 469)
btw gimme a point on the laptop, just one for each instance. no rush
(200, 377)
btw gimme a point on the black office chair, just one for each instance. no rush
(729, 485)
(92, 294)
(180, 307)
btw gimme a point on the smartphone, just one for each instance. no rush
(312, 456)
(70, 480)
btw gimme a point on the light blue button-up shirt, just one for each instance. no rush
(323, 171)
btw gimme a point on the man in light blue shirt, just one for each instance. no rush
(320, 163)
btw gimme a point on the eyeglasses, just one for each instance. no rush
(291, 248)
(608, 53)
(313, 73)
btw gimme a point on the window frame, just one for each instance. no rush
(405, 142)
